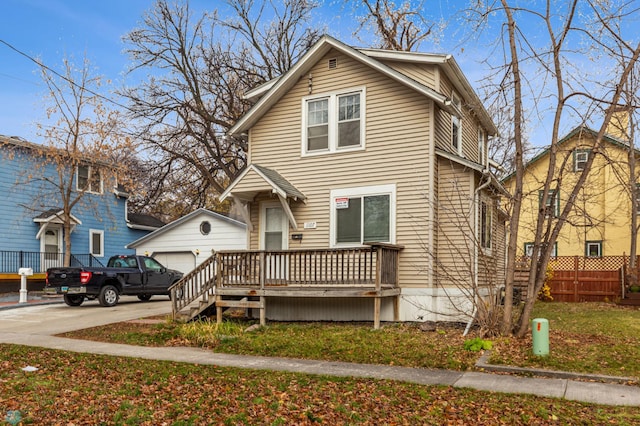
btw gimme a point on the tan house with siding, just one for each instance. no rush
(354, 146)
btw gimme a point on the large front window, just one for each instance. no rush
(363, 215)
(333, 122)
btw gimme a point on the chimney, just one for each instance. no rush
(619, 125)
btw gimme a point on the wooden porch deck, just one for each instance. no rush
(247, 279)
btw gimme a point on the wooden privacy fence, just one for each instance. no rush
(587, 279)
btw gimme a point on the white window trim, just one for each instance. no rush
(93, 232)
(389, 189)
(457, 119)
(482, 146)
(263, 223)
(576, 162)
(91, 191)
(333, 121)
(489, 205)
(593, 243)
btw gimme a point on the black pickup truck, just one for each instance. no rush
(140, 276)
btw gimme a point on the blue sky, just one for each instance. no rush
(53, 29)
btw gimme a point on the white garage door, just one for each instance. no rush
(181, 261)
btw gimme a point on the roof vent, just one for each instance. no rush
(333, 63)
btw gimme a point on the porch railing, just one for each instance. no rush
(375, 266)
(12, 261)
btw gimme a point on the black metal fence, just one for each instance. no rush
(12, 261)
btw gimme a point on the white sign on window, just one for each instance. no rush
(342, 203)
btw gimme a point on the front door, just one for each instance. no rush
(274, 229)
(52, 249)
(275, 237)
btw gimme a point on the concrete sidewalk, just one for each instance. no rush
(570, 386)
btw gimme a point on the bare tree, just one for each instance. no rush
(81, 149)
(569, 90)
(201, 67)
(398, 27)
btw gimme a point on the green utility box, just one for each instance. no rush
(540, 330)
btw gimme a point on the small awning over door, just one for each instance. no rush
(256, 179)
(53, 216)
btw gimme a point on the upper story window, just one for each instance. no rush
(456, 125)
(482, 147)
(552, 207)
(580, 158)
(89, 179)
(333, 122)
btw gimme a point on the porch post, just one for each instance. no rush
(376, 313)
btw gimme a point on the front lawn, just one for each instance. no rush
(595, 338)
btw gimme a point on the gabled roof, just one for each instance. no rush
(580, 129)
(53, 215)
(277, 88)
(184, 219)
(278, 184)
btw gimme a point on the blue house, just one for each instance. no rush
(32, 216)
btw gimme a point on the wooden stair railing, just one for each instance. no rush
(198, 285)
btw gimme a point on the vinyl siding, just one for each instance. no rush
(425, 74)
(25, 196)
(396, 138)
(186, 237)
(455, 225)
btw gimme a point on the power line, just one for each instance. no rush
(68, 80)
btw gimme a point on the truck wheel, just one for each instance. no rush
(73, 299)
(108, 296)
(144, 297)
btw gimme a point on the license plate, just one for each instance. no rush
(64, 289)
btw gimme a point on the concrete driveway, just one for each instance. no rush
(60, 318)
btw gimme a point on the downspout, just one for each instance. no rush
(485, 173)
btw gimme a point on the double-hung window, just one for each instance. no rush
(486, 219)
(552, 207)
(333, 122)
(580, 158)
(482, 147)
(361, 215)
(89, 179)
(456, 125)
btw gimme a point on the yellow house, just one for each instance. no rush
(599, 224)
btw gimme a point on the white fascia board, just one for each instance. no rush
(325, 44)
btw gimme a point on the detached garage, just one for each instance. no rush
(187, 242)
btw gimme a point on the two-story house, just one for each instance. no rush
(31, 222)
(356, 146)
(599, 224)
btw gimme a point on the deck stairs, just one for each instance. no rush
(195, 293)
